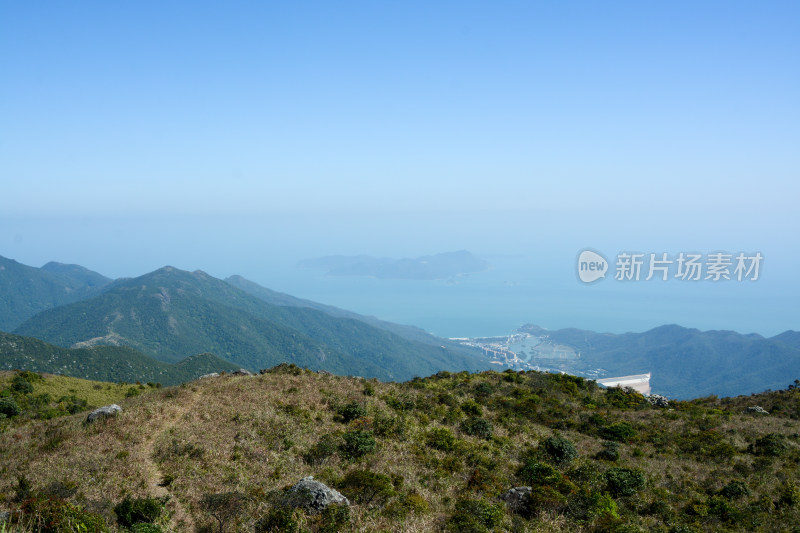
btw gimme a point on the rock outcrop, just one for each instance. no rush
(314, 496)
(657, 400)
(104, 412)
(517, 498)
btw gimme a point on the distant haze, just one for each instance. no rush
(242, 138)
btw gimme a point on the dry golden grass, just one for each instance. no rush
(251, 434)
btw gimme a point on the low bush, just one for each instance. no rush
(609, 452)
(558, 450)
(624, 481)
(225, 507)
(474, 516)
(20, 385)
(735, 490)
(9, 407)
(334, 518)
(279, 519)
(471, 408)
(770, 445)
(352, 411)
(132, 511)
(441, 439)
(319, 452)
(366, 488)
(619, 431)
(477, 427)
(357, 444)
(50, 515)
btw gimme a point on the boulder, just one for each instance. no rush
(657, 400)
(314, 496)
(104, 412)
(241, 372)
(211, 375)
(517, 498)
(757, 410)
(5, 516)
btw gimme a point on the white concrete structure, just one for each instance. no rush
(639, 382)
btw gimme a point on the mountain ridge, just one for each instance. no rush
(688, 362)
(169, 313)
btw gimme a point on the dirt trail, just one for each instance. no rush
(171, 413)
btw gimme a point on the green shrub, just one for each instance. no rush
(334, 518)
(279, 519)
(735, 490)
(319, 452)
(474, 516)
(23, 490)
(132, 511)
(477, 427)
(352, 411)
(545, 498)
(410, 502)
(403, 404)
(603, 505)
(9, 407)
(484, 389)
(59, 516)
(789, 495)
(72, 404)
(20, 385)
(535, 473)
(441, 439)
(225, 507)
(610, 451)
(471, 408)
(558, 450)
(357, 444)
(365, 487)
(770, 445)
(619, 431)
(624, 481)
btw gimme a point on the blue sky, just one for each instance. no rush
(135, 135)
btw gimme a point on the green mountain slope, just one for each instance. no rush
(411, 333)
(687, 363)
(26, 290)
(169, 313)
(102, 363)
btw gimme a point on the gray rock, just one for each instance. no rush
(314, 496)
(657, 400)
(757, 410)
(4, 516)
(104, 412)
(241, 372)
(517, 498)
(211, 375)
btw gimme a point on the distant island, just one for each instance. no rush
(428, 267)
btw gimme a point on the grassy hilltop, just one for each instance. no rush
(431, 454)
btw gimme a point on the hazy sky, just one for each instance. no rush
(138, 134)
